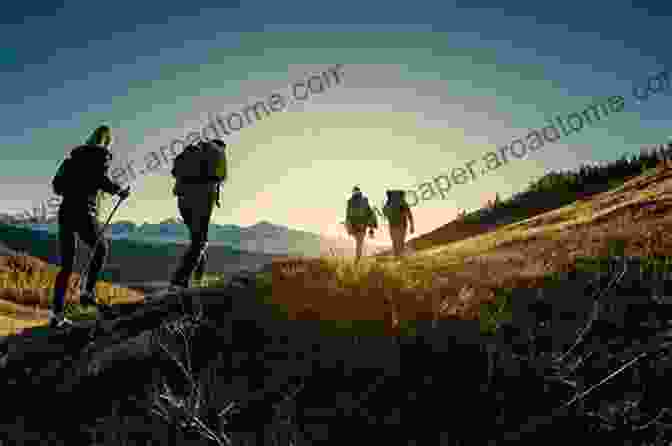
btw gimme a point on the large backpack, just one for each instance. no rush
(394, 207)
(200, 164)
(359, 212)
(69, 175)
(187, 165)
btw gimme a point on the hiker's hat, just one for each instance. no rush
(102, 135)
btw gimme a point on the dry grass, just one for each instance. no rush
(392, 293)
(455, 279)
(26, 289)
(34, 289)
(10, 325)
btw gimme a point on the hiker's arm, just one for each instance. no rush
(104, 183)
(110, 187)
(173, 172)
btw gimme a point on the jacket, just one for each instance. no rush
(91, 163)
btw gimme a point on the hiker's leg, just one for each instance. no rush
(202, 228)
(68, 245)
(186, 213)
(359, 238)
(197, 246)
(395, 236)
(88, 231)
(394, 240)
(403, 230)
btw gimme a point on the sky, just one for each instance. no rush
(425, 88)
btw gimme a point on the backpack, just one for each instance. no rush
(359, 212)
(60, 181)
(187, 165)
(200, 164)
(394, 207)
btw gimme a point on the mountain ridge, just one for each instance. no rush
(261, 237)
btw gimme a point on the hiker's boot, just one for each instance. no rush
(173, 288)
(58, 320)
(176, 288)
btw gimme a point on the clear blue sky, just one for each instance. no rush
(427, 86)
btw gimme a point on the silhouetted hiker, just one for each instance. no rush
(398, 214)
(359, 217)
(199, 171)
(79, 180)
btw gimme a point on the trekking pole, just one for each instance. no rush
(85, 271)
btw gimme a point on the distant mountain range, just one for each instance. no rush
(263, 237)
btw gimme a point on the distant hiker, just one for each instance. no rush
(198, 171)
(359, 217)
(399, 215)
(79, 180)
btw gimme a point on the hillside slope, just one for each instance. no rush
(634, 215)
(452, 279)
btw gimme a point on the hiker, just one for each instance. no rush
(399, 215)
(198, 171)
(79, 184)
(359, 217)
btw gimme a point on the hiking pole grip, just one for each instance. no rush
(85, 272)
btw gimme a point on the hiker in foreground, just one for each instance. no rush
(359, 217)
(398, 214)
(198, 171)
(79, 180)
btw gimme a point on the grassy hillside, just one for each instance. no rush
(466, 266)
(26, 293)
(552, 191)
(27, 278)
